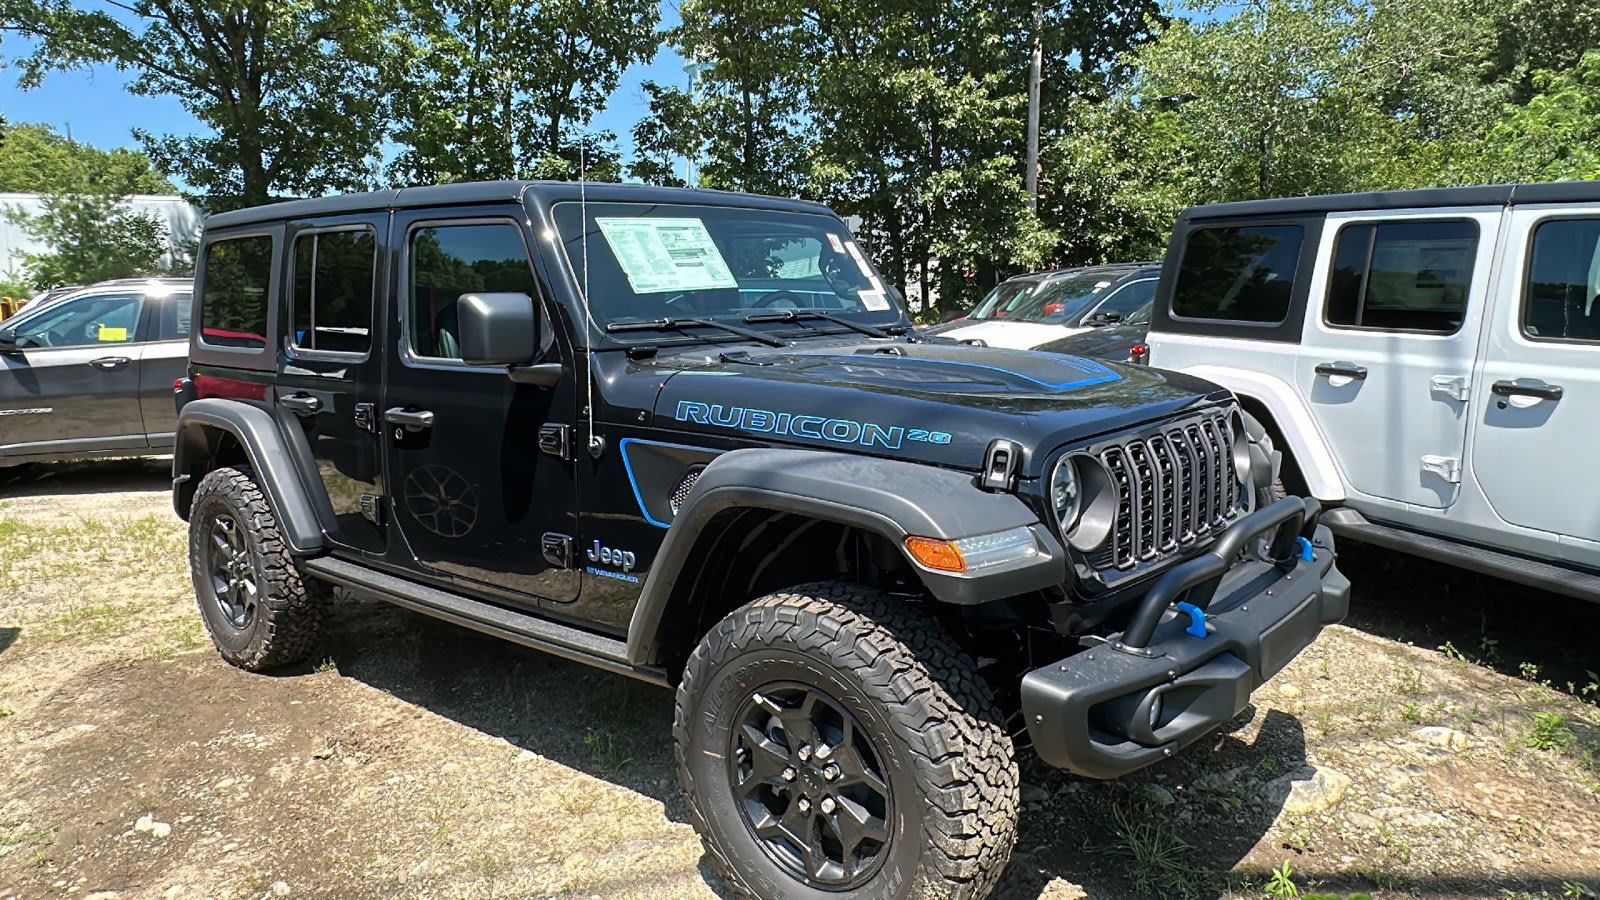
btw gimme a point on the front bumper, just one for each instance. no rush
(1156, 687)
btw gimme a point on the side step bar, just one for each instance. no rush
(529, 631)
(1523, 570)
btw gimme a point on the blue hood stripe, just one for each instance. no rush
(1093, 372)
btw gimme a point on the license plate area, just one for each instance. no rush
(1293, 633)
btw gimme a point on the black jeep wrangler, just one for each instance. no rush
(691, 437)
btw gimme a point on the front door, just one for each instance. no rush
(1539, 421)
(328, 384)
(164, 360)
(473, 494)
(72, 384)
(1386, 365)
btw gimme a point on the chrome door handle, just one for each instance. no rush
(410, 418)
(1530, 387)
(110, 362)
(1342, 370)
(300, 404)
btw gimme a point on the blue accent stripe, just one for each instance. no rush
(627, 466)
(1090, 379)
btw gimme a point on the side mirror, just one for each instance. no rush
(497, 329)
(8, 340)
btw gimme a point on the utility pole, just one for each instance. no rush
(1035, 75)
(692, 68)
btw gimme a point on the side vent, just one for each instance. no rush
(681, 493)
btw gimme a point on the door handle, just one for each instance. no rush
(110, 362)
(1342, 370)
(416, 419)
(300, 404)
(1529, 388)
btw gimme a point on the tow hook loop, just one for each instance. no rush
(1197, 618)
(1307, 552)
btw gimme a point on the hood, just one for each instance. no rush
(935, 403)
(1015, 335)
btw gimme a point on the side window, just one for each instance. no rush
(334, 272)
(233, 305)
(1129, 298)
(174, 320)
(1561, 300)
(83, 322)
(446, 261)
(1402, 276)
(1240, 273)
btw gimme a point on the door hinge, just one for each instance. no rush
(557, 549)
(1445, 467)
(365, 419)
(1452, 386)
(372, 509)
(556, 440)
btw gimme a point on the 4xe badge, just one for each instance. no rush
(622, 559)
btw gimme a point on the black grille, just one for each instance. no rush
(1174, 487)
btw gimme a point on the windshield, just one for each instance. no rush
(1062, 300)
(1005, 296)
(648, 262)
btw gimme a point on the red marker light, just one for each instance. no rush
(1140, 354)
(177, 386)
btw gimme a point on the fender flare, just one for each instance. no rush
(263, 445)
(1295, 422)
(886, 497)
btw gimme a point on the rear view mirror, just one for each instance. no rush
(497, 329)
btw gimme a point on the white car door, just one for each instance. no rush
(1538, 423)
(1390, 339)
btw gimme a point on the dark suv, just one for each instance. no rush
(688, 437)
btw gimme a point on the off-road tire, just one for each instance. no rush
(917, 693)
(288, 613)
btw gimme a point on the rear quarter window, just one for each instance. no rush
(1239, 273)
(235, 278)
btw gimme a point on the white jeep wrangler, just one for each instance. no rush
(1428, 362)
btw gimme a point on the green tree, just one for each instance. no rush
(35, 159)
(92, 237)
(292, 90)
(507, 88)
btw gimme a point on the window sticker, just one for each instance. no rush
(110, 335)
(876, 301)
(835, 243)
(666, 255)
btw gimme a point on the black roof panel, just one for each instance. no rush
(1485, 195)
(492, 191)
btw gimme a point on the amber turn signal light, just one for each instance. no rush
(932, 553)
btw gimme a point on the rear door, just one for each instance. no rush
(329, 372)
(163, 360)
(73, 383)
(1390, 340)
(1538, 424)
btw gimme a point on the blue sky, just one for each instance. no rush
(94, 107)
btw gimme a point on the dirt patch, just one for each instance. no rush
(420, 760)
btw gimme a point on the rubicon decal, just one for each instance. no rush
(817, 428)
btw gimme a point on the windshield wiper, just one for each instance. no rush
(667, 324)
(795, 315)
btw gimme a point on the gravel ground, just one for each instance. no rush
(413, 759)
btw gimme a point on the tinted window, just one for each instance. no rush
(1241, 273)
(1129, 298)
(83, 322)
(1404, 276)
(233, 307)
(1562, 296)
(175, 313)
(448, 261)
(333, 280)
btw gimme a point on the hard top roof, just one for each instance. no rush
(1120, 268)
(492, 191)
(1483, 195)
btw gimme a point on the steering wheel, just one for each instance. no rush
(771, 301)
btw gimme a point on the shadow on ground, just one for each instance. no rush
(85, 477)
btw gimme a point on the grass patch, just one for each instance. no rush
(1158, 860)
(1550, 732)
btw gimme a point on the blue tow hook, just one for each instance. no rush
(1307, 552)
(1197, 618)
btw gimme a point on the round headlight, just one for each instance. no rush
(1065, 493)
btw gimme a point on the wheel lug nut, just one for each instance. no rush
(788, 773)
(805, 753)
(805, 805)
(824, 751)
(831, 773)
(828, 805)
